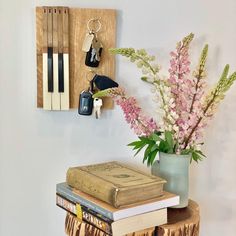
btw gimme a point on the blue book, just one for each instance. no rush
(103, 208)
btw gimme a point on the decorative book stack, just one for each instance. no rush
(113, 199)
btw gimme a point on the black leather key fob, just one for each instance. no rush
(91, 59)
(85, 103)
(103, 82)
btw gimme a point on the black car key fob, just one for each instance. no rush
(92, 58)
(85, 103)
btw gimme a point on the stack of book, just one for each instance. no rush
(112, 199)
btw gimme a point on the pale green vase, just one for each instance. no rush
(175, 170)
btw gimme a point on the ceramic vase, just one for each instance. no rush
(175, 170)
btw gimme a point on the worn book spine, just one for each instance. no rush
(106, 191)
(85, 213)
(64, 190)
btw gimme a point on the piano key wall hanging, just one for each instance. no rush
(61, 70)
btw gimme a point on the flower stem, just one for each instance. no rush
(196, 89)
(200, 119)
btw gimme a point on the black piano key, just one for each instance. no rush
(60, 73)
(50, 69)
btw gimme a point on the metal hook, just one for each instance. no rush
(99, 25)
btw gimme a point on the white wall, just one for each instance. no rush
(37, 147)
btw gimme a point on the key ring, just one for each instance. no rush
(89, 73)
(99, 25)
(90, 80)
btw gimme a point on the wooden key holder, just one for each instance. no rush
(64, 37)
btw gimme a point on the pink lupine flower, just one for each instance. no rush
(187, 94)
(141, 124)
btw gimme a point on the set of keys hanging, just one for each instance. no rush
(92, 45)
(93, 48)
(88, 105)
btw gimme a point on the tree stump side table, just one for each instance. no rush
(181, 222)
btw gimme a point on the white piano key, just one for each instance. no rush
(56, 102)
(65, 100)
(47, 97)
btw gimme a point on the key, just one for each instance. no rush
(88, 42)
(93, 56)
(97, 45)
(97, 104)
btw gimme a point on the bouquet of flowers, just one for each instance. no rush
(185, 105)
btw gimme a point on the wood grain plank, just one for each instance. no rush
(56, 101)
(39, 51)
(47, 97)
(78, 29)
(65, 20)
(65, 102)
(60, 30)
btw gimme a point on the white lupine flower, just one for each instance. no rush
(169, 117)
(171, 100)
(174, 115)
(176, 128)
(165, 96)
(139, 64)
(150, 79)
(161, 123)
(162, 136)
(198, 147)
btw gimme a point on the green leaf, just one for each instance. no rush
(163, 146)
(170, 141)
(195, 156)
(155, 137)
(151, 157)
(147, 151)
(200, 152)
(140, 148)
(147, 140)
(102, 93)
(135, 143)
(154, 147)
(138, 151)
(186, 151)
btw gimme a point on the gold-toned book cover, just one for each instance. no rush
(115, 183)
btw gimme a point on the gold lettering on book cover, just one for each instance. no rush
(119, 175)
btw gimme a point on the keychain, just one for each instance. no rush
(92, 45)
(86, 103)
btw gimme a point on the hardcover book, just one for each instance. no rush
(85, 214)
(106, 210)
(73, 226)
(119, 227)
(115, 183)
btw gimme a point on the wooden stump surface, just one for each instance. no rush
(182, 222)
(74, 227)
